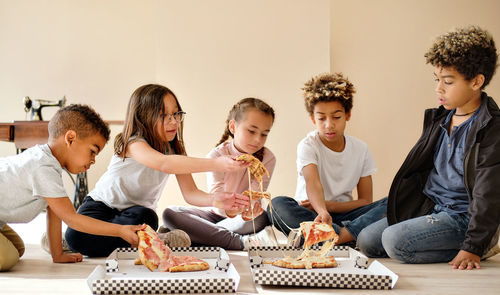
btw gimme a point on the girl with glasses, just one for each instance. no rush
(146, 152)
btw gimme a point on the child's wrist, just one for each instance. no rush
(230, 213)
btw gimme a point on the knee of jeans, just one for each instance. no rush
(169, 217)
(369, 244)
(392, 242)
(282, 205)
(364, 244)
(139, 214)
(72, 237)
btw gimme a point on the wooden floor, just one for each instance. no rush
(36, 274)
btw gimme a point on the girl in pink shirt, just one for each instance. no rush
(248, 124)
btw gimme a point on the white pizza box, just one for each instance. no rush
(121, 276)
(353, 270)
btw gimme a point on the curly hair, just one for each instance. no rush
(470, 50)
(78, 117)
(328, 87)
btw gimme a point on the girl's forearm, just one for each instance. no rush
(199, 198)
(177, 164)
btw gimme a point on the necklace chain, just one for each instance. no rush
(463, 115)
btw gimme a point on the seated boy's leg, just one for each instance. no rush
(376, 211)
(101, 246)
(370, 239)
(427, 239)
(201, 226)
(16, 240)
(9, 248)
(353, 214)
(286, 212)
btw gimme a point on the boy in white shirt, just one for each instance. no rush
(32, 181)
(330, 165)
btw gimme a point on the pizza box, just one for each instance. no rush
(121, 276)
(353, 270)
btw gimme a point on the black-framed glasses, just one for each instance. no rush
(178, 117)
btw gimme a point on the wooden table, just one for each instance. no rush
(26, 134)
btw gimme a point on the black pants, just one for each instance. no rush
(101, 246)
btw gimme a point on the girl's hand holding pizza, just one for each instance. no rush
(249, 213)
(230, 201)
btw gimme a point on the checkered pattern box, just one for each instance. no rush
(353, 271)
(122, 276)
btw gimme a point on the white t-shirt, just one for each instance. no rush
(25, 180)
(129, 183)
(339, 172)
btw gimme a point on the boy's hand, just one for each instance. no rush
(230, 201)
(247, 214)
(227, 164)
(324, 217)
(465, 260)
(129, 234)
(67, 258)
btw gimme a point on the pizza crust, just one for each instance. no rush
(190, 267)
(316, 262)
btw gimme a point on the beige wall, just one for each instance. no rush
(380, 45)
(210, 53)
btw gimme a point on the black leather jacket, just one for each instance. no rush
(481, 176)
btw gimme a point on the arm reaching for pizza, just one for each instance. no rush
(62, 209)
(315, 194)
(197, 197)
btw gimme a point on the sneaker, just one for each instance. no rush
(44, 242)
(265, 237)
(175, 238)
(163, 229)
(492, 252)
(294, 238)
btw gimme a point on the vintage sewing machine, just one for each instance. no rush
(36, 105)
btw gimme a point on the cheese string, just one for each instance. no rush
(251, 199)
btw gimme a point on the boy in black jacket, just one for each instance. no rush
(444, 202)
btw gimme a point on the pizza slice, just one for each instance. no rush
(151, 249)
(316, 232)
(153, 254)
(183, 263)
(257, 195)
(256, 168)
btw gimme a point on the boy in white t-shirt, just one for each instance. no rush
(330, 165)
(32, 181)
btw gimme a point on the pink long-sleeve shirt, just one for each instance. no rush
(236, 181)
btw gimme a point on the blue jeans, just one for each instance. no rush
(101, 246)
(289, 213)
(426, 239)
